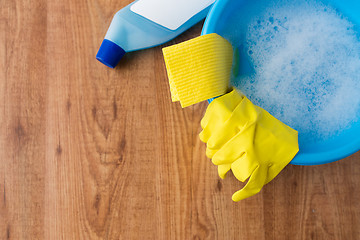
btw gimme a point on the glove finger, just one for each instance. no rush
(253, 186)
(207, 122)
(243, 167)
(218, 111)
(243, 115)
(223, 169)
(235, 147)
(210, 152)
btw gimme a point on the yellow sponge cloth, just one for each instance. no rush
(198, 69)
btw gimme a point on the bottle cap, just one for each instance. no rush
(110, 53)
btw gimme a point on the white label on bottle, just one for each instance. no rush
(170, 13)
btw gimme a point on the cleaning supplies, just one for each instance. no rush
(147, 23)
(247, 140)
(193, 75)
(240, 136)
(241, 22)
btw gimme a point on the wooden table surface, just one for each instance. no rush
(88, 152)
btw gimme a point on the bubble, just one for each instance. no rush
(306, 68)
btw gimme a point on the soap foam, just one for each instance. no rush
(306, 61)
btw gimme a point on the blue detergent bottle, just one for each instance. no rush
(147, 23)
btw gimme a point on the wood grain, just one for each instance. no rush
(88, 152)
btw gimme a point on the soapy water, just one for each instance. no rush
(305, 61)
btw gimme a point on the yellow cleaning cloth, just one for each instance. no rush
(198, 69)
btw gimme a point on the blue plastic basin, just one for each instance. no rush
(318, 152)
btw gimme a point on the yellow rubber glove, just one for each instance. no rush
(248, 140)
